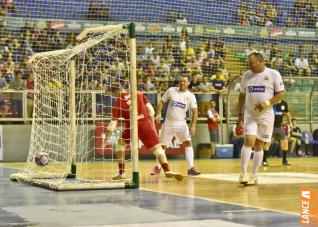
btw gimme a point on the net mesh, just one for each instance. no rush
(52, 129)
(201, 37)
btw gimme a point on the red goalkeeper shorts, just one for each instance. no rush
(146, 133)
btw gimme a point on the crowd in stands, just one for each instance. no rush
(301, 15)
(159, 61)
(299, 63)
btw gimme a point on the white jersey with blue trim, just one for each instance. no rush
(260, 87)
(179, 104)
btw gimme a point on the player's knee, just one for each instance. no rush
(187, 143)
(120, 148)
(157, 151)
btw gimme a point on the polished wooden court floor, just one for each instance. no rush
(282, 194)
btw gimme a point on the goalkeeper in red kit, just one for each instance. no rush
(146, 130)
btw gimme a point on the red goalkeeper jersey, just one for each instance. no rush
(121, 108)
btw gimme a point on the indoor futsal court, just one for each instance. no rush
(158, 113)
(213, 198)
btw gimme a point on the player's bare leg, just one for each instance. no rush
(161, 156)
(120, 153)
(190, 158)
(157, 169)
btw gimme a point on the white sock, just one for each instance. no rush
(245, 158)
(189, 156)
(257, 159)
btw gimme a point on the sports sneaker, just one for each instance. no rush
(155, 171)
(286, 163)
(265, 163)
(119, 177)
(252, 180)
(177, 176)
(244, 178)
(193, 171)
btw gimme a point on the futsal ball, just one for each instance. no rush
(41, 159)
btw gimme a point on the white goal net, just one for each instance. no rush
(66, 149)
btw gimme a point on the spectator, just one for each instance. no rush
(10, 68)
(277, 61)
(237, 139)
(29, 84)
(155, 59)
(163, 86)
(219, 48)
(148, 86)
(289, 22)
(204, 99)
(266, 52)
(10, 6)
(195, 83)
(181, 19)
(171, 17)
(302, 66)
(295, 138)
(3, 86)
(314, 65)
(251, 48)
(149, 49)
(189, 52)
(244, 20)
(218, 86)
(300, 51)
(289, 68)
(16, 97)
(213, 124)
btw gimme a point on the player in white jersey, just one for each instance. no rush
(261, 88)
(179, 100)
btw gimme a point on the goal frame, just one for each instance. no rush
(40, 179)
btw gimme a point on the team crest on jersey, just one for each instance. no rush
(254, 89)
(178, 104)
(282, 107)
(266, 78)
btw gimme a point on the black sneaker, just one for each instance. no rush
(286, 163)
(265, 163)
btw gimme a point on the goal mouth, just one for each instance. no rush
(67, 147)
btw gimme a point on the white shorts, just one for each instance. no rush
(260, 128)
(178, 129)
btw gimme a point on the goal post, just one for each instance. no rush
(63, 127)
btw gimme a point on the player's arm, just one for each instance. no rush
(151, 111)
(159, 110)
(241, 104)
(164, 99)
(266, 104)
(288, 117)
(194, 112)
(107, 139)
(279, 96)
(111, 128)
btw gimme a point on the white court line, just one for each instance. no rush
(221, 201)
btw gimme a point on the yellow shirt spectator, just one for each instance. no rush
(223, 76)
